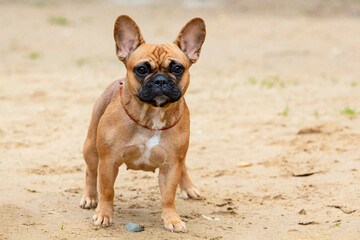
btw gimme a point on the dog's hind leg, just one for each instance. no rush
(88, 199)
(187, 188)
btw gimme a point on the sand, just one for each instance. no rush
(274, 90)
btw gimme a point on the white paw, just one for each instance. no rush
(101, 219)
(88, 202)
(175, 226)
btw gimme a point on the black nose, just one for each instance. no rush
(161, 80)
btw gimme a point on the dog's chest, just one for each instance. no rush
(145, 157)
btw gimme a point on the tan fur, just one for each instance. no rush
(114, 139)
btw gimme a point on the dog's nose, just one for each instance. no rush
(161, 80)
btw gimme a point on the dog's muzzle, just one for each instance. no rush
(160, 90)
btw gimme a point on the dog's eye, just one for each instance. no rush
(177, 69)
(142, 71)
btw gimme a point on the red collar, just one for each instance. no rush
(132, 118)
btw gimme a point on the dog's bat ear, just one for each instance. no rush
(127, 37)
(191, 38)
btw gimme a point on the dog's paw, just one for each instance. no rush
(103, 217)
(190, 192)
(88, 202)
(175, 225)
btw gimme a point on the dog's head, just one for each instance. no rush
(158, 74)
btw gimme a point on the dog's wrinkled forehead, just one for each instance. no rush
(158, 56)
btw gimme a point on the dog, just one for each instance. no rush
(143, 121)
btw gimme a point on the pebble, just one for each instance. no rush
(132, 227)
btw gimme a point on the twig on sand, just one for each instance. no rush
(343, 209)
(305, 174)
(308, 223)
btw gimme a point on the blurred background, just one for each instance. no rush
(274, 102)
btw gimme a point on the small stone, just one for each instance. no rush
(302, 212)
(132, 227)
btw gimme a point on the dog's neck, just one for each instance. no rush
(149, 116)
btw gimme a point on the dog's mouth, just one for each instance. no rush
(159, 99)
(160, 95)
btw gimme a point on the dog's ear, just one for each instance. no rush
(127, 37)
(191, 38)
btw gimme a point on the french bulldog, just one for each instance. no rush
(143, 121)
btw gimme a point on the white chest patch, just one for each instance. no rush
(150, 144)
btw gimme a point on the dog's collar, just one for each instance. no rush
(121, 83)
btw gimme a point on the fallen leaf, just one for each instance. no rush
(244, 164)
(210, 218)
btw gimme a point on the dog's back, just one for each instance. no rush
(101, 104)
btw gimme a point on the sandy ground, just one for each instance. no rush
(269, 90)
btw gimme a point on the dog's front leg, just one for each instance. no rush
(169, 178)
(108, 170)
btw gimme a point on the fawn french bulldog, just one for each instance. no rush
(143, 120)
